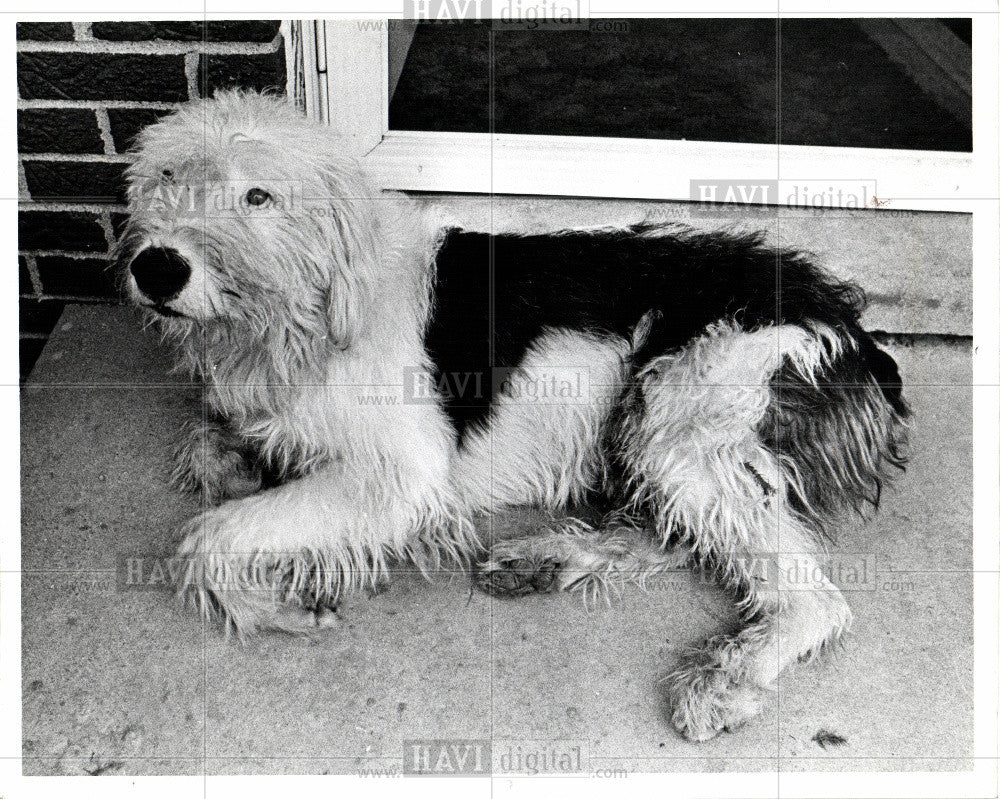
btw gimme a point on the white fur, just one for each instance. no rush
(544, 451)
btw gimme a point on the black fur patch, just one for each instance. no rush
(844, 434)
(495, 295)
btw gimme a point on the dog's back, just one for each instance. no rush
(496, 295)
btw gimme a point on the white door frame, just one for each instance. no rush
(347, 88)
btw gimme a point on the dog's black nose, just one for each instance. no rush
(160, 273)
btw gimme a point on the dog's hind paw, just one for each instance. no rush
(705, 700)
(517, 576)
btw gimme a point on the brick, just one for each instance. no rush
(45, 31)
(127, 122)
(75, 181)
(30, 349)
(38, 317)
(124, 31)
(249, 30)
(101, 76)
(58, 130)
(76, 277)
(241, 71)
(222, 31)
(24, 284)
(77, 231)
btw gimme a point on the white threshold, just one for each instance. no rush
(648, 169)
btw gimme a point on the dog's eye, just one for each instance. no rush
(167, 175)
(257, 197)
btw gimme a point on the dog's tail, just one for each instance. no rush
(840, 435)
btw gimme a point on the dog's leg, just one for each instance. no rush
(272, 559)
(720, 684)
(576, 557)
(213, 460)
(697, 465)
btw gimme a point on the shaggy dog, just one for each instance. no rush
(375, 379)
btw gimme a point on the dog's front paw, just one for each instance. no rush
(250, 589)
(705, 699)
(211, 574)
(210, 459)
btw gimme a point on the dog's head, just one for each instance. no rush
(244, 215)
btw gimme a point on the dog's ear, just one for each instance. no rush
(343, 307)
(353, 241)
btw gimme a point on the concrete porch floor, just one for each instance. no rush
(122, 681)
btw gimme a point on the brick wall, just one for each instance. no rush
(84, 91)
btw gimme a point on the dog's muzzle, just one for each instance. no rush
(160, 273)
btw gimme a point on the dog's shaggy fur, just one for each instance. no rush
(375, 379)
